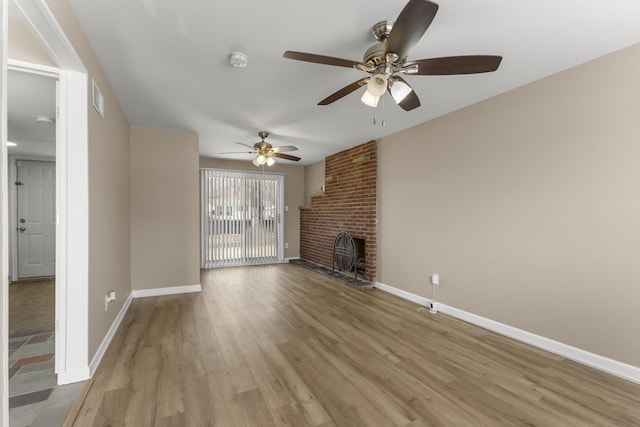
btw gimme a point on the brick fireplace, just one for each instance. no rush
(348, 203)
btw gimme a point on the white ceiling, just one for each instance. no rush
(30, 95)
(168, 61)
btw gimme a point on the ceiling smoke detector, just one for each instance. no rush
(45, 120)
(238, 59)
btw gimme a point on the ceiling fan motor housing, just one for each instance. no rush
(374, 55)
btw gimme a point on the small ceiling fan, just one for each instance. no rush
(386, 61)
(266, 152)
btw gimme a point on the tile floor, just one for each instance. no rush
(34, 398)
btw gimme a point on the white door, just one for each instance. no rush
(36, 195)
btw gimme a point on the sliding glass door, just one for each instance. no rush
(241, 217)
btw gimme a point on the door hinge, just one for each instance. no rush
(19, 183)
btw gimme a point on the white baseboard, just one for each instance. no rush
(172, 290)
(104, 345)
(74, 376)
(620, 369)
(403, 294)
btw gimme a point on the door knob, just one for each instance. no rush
(22, 229)
(22, 220)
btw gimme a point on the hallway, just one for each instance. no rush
(34, 398)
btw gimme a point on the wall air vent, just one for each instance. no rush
(98, 99)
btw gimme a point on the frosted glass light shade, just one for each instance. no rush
(261, 159)
(377, 84)
(255, 162)
(370, 100)
(400, 90)
(270, 161)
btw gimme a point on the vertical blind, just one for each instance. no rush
(241, 217)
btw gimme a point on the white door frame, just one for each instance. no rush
(4, 220)
(72, 202)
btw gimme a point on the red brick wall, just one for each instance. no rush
(348, 204)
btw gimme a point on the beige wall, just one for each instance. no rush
(293, 195)
(165, 215)
(313, 180)
(109, 242)
(25, 47)
(528, 206)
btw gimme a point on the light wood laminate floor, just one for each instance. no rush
(280, 345)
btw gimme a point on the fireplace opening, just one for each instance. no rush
(349, 254)
(360, 256)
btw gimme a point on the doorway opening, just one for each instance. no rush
(72, 200)
(31, 133)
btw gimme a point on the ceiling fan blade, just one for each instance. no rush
(283, 148)
(246, 145)
(320, 59)
(286, 156)
(344, 91)
(410, 26)
(403, 94)
(470, 64)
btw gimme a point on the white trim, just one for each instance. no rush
(49, 33)
(171, 290)
(81, 373)
(403, 294)
(4, 219)
(72, 256)
(104, 345)
(32, 68)
(614, 367)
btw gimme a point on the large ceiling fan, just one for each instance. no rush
(266, 152)
(386, 61)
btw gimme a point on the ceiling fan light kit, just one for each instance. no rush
(266, 152)
(386, 61)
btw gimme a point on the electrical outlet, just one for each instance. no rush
(435, 279)
(432, 307)
(109, 298)
(286, 245)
